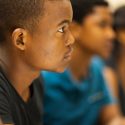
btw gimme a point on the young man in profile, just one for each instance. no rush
(34, 36)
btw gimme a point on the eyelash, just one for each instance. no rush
(61, 30)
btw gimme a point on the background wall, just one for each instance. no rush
(116, 3)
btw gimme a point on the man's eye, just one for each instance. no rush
(61, 30)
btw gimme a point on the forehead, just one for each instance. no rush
(100, 14)
(58, 10)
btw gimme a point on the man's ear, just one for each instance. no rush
(19, 38)
(75, 29)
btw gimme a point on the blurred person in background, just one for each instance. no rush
(1, 122)
(115, 71)
(80, 95)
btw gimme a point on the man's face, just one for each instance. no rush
(50, 47)
(96, 34)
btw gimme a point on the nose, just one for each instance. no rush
(70, 40)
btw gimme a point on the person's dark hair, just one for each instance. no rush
(19, 14)
(82, 8)
(119, 18)
(119, 24)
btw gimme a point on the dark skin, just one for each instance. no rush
(94, 37)
(111, 74)
(49, 47)
(121, 61)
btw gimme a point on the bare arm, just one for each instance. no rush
(111, 114)
(112, 81)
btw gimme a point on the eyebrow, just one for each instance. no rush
(63, 22)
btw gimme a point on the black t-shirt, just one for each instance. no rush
(13, 110)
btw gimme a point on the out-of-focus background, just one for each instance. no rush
(91, 92)
(116, 3)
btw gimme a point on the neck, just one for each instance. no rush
(18, 73)
(121, 59)
(80, 63)
(121, 65)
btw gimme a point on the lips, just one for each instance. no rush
(68, 53)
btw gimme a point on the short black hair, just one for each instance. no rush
(18, 14)
(119, 24)
(119, 18)
(82, 8)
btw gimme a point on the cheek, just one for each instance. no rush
(97, 37)
(53, 51)
(92, 40)
(46, 52)
(122, 38)
(89, 34)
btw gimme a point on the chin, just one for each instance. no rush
(60, 69)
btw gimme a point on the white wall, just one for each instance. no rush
(116, 3)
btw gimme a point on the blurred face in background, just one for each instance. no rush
(121, 36)
(95, 35)
(1, 122)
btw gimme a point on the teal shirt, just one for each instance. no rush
(69, 102)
